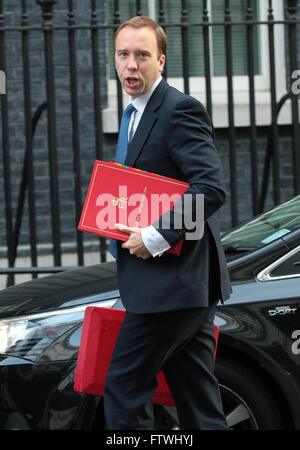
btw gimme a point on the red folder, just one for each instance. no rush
(129, 196)
(99, 333)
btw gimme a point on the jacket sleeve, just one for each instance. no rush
(190, 140)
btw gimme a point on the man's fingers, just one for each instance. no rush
(121, 227)
(134, 243)
(125, 228)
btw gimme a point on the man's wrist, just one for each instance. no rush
(154, 242)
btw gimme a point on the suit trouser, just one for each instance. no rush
(181, 343)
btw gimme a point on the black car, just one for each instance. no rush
(258, 357)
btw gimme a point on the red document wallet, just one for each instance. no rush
(100, 329)
(129, 196)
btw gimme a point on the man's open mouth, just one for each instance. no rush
(131, 81)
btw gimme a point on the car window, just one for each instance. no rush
(264, 229)
(291, 266)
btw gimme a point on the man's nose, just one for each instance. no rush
(132, 63)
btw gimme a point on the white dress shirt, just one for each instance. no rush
(153, 240)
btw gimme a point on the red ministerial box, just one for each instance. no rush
(100, 329)
(129, 196)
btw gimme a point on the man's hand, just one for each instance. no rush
(135, 243)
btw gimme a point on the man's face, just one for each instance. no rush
(136, 58)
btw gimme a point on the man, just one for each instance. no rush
(170, 300)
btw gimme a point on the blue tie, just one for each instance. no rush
(121, 154)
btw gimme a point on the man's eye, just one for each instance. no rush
(122, 54)
(143, 55)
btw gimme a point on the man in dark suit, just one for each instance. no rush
(170, 300)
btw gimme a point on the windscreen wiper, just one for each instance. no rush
(236, 248)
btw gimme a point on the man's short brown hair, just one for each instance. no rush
(144, 21)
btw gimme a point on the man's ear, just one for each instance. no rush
(162, 61)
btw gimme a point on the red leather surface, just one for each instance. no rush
(99, 333)
(112, 197)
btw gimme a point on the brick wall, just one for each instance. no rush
(14, 96)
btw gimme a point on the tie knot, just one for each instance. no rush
(129, 110)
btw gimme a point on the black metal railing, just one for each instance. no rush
(98, 31)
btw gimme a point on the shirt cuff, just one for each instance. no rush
(154, 242)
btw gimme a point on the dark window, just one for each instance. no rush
(289, 267)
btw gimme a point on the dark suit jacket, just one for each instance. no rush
(175, 138)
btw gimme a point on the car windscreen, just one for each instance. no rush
(264, 229)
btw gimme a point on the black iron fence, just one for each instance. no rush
(216, 47)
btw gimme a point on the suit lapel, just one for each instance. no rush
(146, 123)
